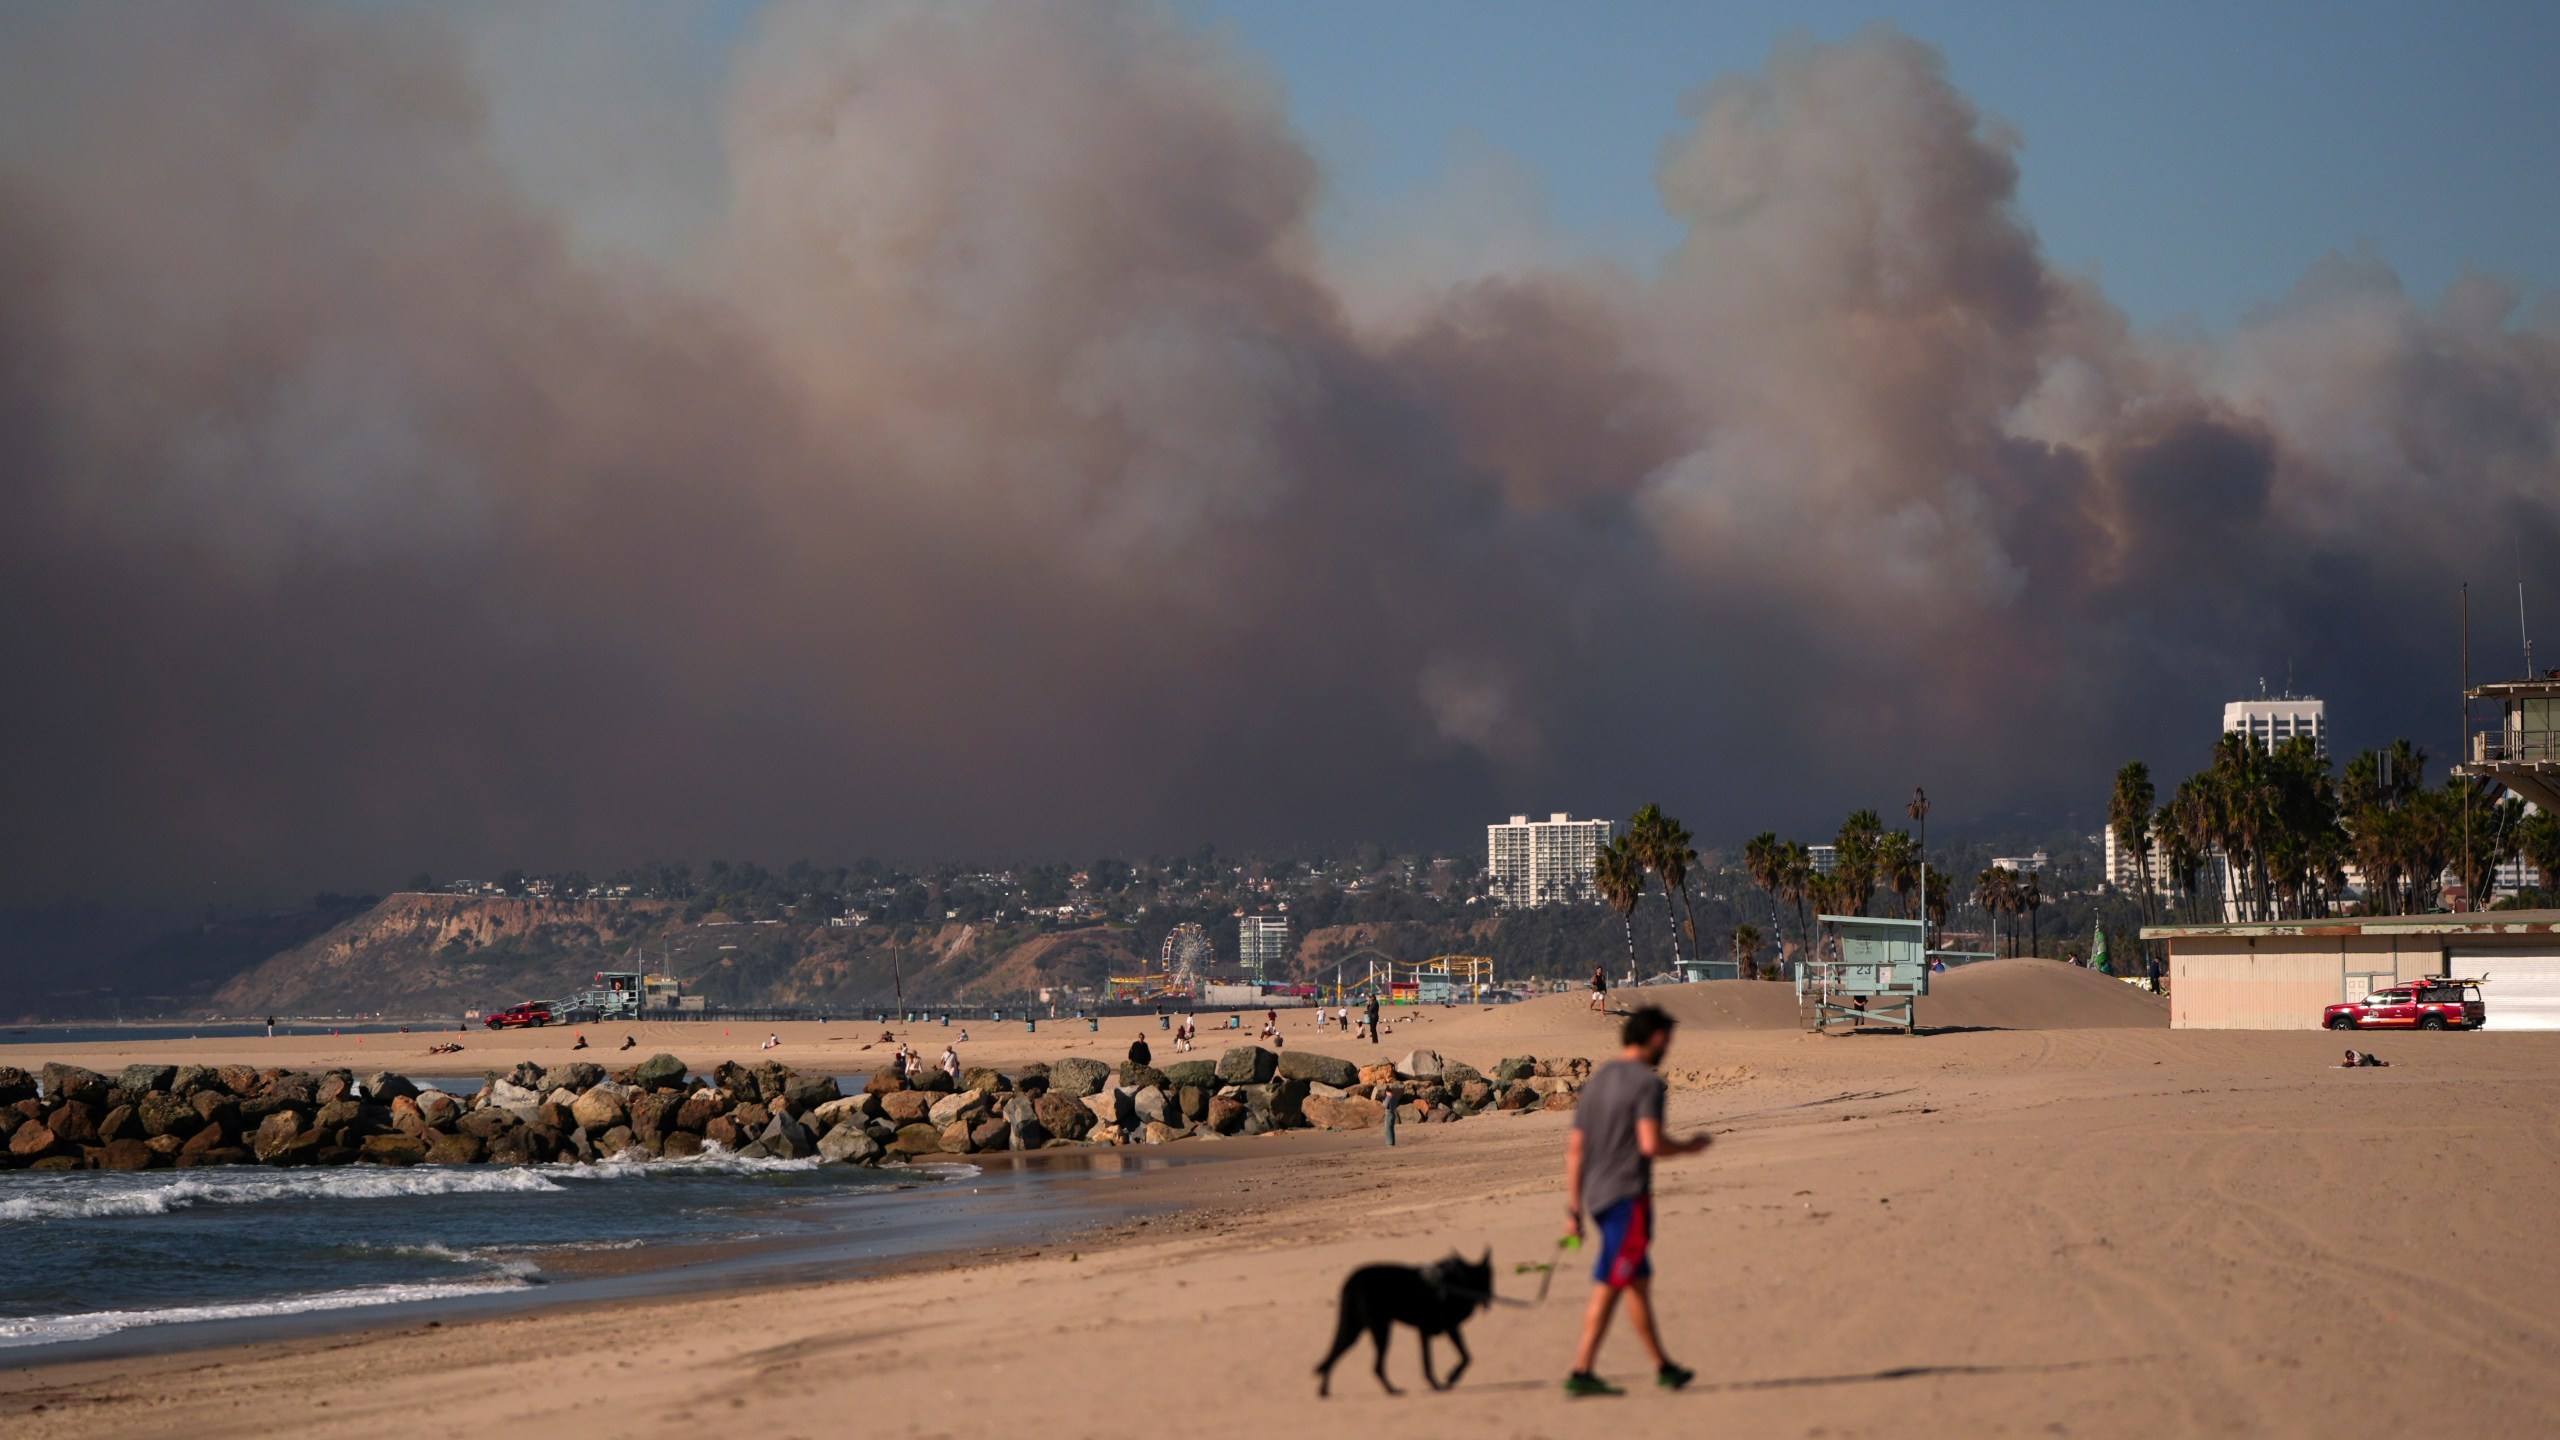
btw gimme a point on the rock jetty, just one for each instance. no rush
(163, 1116)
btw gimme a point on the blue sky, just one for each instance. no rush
(2197, 156)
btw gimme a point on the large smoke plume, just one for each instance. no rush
(1001, 464)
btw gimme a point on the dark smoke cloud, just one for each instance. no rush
(1003, 466)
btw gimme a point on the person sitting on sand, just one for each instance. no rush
(773, 1041)
(628, 1043)
(580, 1044)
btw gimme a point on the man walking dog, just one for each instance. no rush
(1608, 1179)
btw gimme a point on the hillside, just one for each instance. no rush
(433, 954)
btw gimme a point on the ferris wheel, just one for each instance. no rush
(1186, 954)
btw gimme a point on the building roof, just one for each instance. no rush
(2465, 922)
(2542, 687)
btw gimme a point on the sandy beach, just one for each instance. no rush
(2054, 1216)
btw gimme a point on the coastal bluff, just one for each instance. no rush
(152, 1116)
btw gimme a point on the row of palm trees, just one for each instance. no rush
(2000, 891)
(1865, 856)
(2266, 833)
(1652, 845)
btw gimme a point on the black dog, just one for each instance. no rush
(1435, 1300)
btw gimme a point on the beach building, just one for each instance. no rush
(1544, 862)
(2280, 974)
(1262, 944)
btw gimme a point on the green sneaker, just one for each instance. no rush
(1583, 1382)
(1673, 1377)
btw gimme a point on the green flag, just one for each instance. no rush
(2098, 953)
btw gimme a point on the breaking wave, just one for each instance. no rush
(90, 1325)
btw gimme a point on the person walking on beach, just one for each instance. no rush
(1608, 1179)
(1370, 1014)
(951, 1064)
(271, 1027)
(1599, 990)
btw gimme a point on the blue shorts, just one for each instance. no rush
(1626, 1240)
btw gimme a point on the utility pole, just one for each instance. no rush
(2462, 749)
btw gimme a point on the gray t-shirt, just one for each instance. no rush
(1614, 1167)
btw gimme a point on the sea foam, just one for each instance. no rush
(90, 1325)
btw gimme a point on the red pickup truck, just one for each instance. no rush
(519, 1017)
(2417, 1005)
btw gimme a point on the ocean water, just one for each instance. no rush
(90, 1254)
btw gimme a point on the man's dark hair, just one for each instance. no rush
(1647, 1022)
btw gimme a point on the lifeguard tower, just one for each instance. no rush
(1864, 970)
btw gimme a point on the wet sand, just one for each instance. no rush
(2082, 1231)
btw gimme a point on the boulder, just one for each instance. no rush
(392, 1149)
(334, 1085)
(1226, 1114)
(1247, 1065)
(680, 1145)
(16, 1085)
(162, 1113)
(32, 1140)
(198, 1145)
(119, 1123)
(439, 1108)
(1322, 1091)
(1376, 1075)
(848, 1145)
(339, 1114)
(1022, 1116)
(700, 1108)
(1203, 1073)
(967, 1107)
(805, 1095)
(73, 1122)
(574, 1075)
(516, 1147)
(916, 1140)
(933, 1080)
(653, 1113)
(1192, 1101)
(1560, 1100)
(1033, 1080)
(242, 1080)
(274, 1134)
(955, 1137)
(600, 1109)
(1310, 1066)
(488, 1122)
(519, 1100)
(1152, 1107)
(164, 1147)
(1515, 1068)
(787, 1139)
(1156, 1132)
(772, 1079)
(384, 1086)
(980, 1078)
(1063, 1118)
(1079, 1077)
(444, 1149)
(659, 1072)
(725, 1132)
(991, 1134)
(886, 1081)
(1114, 1106)
(1517, 1096)
(1421, 1064)
(835, 1112)
(1476, 1094)
(907, 1107)
(1135, 1076)
(126, 1154)
(1348, 1113)
(71, 1082)
(1454, 1073)
(141, 1079)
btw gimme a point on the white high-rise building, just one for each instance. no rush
(1262, 943)
(2272, 720)
(1544, 862)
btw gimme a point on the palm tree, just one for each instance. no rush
(2030, 898)
(1673, 859)
(1898, 865)
(1746, 949)
(1649, 833)
(1765, 860)
(2538, 841)
(1854, 860)
(1619, 877)
(1995, 890)
(1918, 810)
(1795, 884)
(2129, 814)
